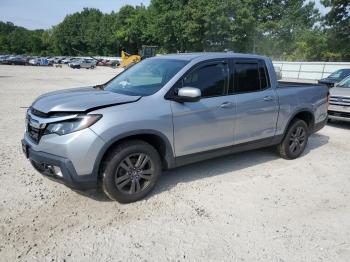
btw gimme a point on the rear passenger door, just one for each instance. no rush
(208, 123)
(256, 101)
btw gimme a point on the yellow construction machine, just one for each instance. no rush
(129, 60)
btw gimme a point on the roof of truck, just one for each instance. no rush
(209, 55)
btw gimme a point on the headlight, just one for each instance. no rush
(72, 125)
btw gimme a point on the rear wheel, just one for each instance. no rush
(130, 171)
(295, 141)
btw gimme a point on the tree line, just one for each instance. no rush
(282, 29)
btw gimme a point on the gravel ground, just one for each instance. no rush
(251, 206)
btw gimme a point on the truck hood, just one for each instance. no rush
(79, 100)
(340, 91)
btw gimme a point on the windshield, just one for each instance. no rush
(339, 74)
(345, 83)
(145, 78)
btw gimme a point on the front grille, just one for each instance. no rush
(340, 114)
(35, 133)
(35, 129)
(339, 101)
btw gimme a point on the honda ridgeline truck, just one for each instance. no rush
(165, 112)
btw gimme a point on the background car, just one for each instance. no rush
(3, 58)
(335, 77)
(58, 60)
(16, 60)
(67, 60)
(339, 102)
(106, 62)
(83, 63)
(39, 61)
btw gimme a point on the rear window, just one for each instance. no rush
(246, 77)
(250, 76)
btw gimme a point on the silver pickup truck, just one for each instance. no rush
(339, 102)
(165, 112)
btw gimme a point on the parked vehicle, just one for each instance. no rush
(15, 60)
(33, 61)
(165, 112)
(58, 60)
(3, 58)
(50, 59)
(105, 62)
(335, 77)
(339, 104)
(39, 61)
(83, 63)
(67, 60)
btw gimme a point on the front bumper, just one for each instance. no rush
(42, 161)
(339, 112)
(339, 117)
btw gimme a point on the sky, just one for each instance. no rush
(43, 14)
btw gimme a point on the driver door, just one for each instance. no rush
(206, 124)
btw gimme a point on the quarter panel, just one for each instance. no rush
(295, 99)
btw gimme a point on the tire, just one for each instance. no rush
(295, 140)
(130, 171)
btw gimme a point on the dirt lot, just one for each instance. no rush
(251, 206)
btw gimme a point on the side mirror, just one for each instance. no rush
(188, 94)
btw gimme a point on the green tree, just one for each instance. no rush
(337, 22)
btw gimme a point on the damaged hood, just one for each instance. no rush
(79, 100)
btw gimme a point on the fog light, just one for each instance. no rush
(57, 171)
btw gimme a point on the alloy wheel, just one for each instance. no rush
(297, 139)
(134, 173)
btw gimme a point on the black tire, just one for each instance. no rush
(295, 140)
(124, 177)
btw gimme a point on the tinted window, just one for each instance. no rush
(210, 79)
(264, 77)
(246, 77)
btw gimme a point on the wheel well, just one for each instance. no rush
(154, 140)
(307, 116)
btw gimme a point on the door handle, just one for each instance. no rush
(268, 98)
(226, 105)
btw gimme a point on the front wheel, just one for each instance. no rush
(295, 140)
(130, 171)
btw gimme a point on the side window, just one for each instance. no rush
(264, 77)
(211, 79)
(246, 77)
